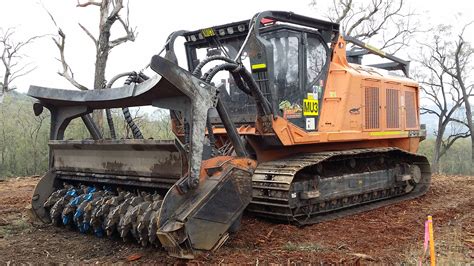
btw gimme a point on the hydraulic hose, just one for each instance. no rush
(212, 72)
(110, 120)
(239, 83)
(196, 72)
(199, 67)
(244, 81)
(248, 79)
(137, 134)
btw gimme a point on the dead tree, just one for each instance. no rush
(13, 61)
(387, 23)
(110, 13)
(456, 62)
(443, 92)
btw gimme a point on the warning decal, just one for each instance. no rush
(310, 106)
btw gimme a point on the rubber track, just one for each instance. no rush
(285, 170)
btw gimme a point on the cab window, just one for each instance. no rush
(316, 58)
(286, 51)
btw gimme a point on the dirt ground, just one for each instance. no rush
(391, 234)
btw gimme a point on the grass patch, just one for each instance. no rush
(313, 247)
(450, 246)
(15, 227)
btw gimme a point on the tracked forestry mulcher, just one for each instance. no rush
(273, 116)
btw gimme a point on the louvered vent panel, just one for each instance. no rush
(393, 107)
(410, 109)
(371, 108)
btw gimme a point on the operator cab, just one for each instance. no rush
(300, 63)
(289, 64)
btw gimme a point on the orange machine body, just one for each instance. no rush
(361, 107)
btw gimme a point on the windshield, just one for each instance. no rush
(240, 106)
(285, 64)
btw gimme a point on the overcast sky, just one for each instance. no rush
(154, 21)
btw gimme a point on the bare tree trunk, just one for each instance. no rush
(438, 153)
(102, 54)
(436, 158)
(470, 124)
(471, 129)
(99, 81)
(109, 14)
(461, 59)
(467, 106)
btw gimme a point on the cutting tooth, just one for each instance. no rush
(142, 207)
(78, 216)
(153, 224)
(143, 221)
(102, 212)
(88, 210)
(142, 226)
(113, 218)
(97, 218)
(71, 207)
(153, 227)
(126, 218)
(58, 207)
(55, 196)
(79, 213)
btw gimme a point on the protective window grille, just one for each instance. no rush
(371, 108)
(393, 107)
(410, 109)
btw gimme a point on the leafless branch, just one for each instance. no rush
(446, 60)
(60, 42)
(390, 23)
(130, 34)
(89, 34)
(446, 144)
(14, 62)
(66, 71)
(347, 6)
(23, 71)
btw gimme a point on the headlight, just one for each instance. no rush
(230, 30)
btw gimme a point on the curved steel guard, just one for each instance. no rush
(173, 85)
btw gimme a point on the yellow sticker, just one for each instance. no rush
(259, 66)
(332, 94)
(387, 133)
(209, 32)
(310, 107)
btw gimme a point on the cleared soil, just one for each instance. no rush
(392, 234)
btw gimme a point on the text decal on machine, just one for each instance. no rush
(310, 106)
